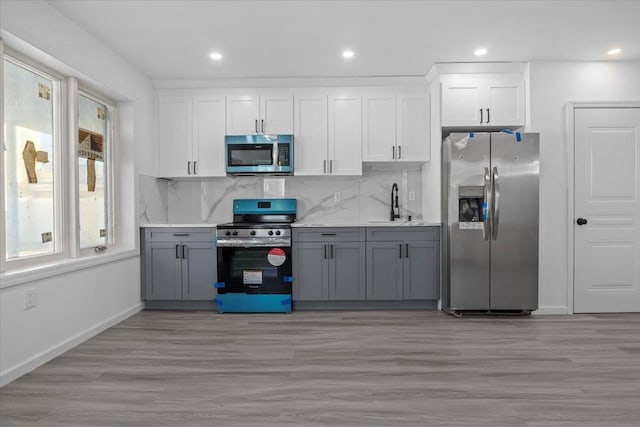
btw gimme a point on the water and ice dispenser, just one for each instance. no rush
(472, 207)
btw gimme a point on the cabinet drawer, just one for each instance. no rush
(180, 234)
(395, 234)
(341, 234)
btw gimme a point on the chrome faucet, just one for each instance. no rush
(394, 215)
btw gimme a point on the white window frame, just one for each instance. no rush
(111, 169)
(59, 232)
(66, 91)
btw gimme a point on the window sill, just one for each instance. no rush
(30, 274)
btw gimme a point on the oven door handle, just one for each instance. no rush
(257, 243)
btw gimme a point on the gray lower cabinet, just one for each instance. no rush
(329, 264)
(179, 264)
(403, 264)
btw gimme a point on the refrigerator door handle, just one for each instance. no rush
(496, 204)
(486, 230)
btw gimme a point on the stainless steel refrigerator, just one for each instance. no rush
(490, 185)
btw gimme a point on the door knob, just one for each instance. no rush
(581, 221)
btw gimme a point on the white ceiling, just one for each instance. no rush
(172, 39)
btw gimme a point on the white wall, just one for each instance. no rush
(76, 305)
(553, 85)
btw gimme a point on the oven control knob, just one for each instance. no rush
(228, 233)
(253, 232)
(278, 233)
(270, 232)
(235, 233)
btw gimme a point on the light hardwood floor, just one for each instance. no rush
(376, 368)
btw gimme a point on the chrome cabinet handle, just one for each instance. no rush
(496, 204)
(177, 255)
(180, 234)
(184, 251)
(262, 125)
(488, 117)
(327, 234)
(256, 125)
(393, 153)
(481, 116)
(400, 252)
(399, 152)
(324, 168)
(188, 168)
(325, 251)
(195, 170)
(486, 230)
(331, 251)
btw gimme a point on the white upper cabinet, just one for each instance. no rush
(328, 132)
(175, 116)
(345, 133)
(379, 127)
(260, 113)
(191, 136)
(483, 100)
(395, 127)
(208, 136)
(310, 133)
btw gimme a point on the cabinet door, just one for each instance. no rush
(243, 113)
(462, 101)
(310, 271)
(198, 270)
(347, 271)
(505, 102)
(413, 127)
(384, 270)
(174, 136)
(421, 275)
(208, 136)
(163, 271)
(345, 133)
(276, 114)
(310, 134)
(379, 127)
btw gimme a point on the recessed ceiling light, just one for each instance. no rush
(216, 56)
(347, 54)
(615, 51)
(480, 52)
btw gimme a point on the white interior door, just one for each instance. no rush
(607, 181)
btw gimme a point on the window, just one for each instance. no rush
(93, 144)
(51, 212)
(30, 162)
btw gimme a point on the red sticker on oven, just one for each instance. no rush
(276, 257)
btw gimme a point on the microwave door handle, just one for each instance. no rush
(275, 154)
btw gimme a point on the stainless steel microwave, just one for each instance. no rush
(259, 154)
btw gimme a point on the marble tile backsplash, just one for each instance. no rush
(322, 199)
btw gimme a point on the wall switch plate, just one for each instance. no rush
(30, 298)
(337, 196)
(412, 195)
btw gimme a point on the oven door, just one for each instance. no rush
(255, 270)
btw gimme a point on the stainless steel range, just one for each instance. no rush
(254, 257)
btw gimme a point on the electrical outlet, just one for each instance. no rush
(337, 196)
(30, 298)
(412, 195)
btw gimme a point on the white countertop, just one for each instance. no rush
(178, 225)
(314, 224)
(369, 224)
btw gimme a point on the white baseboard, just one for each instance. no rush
(39, 359)
(552, 309)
